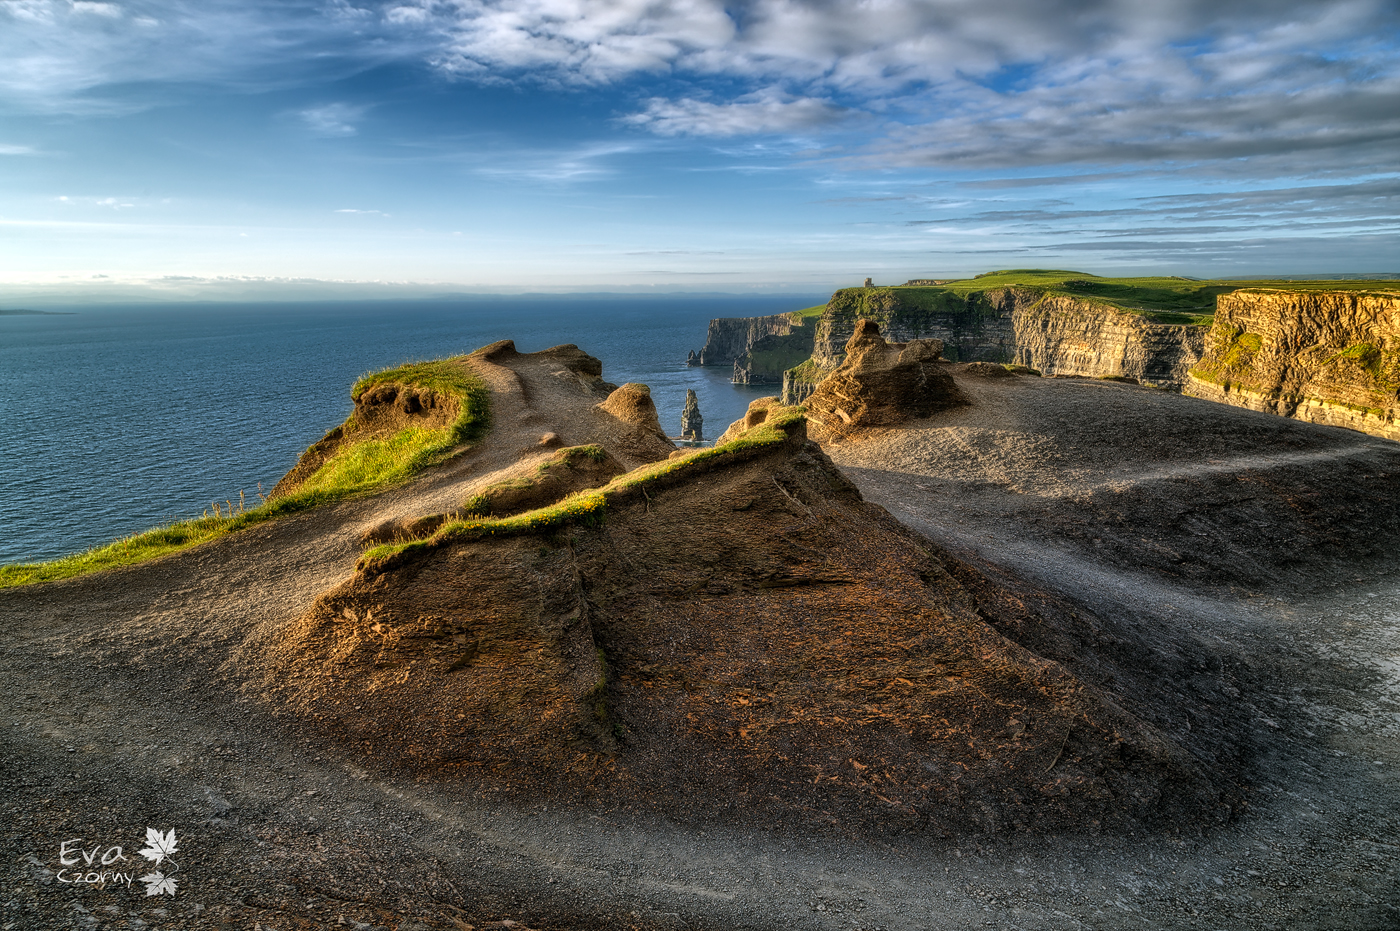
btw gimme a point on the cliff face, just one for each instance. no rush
(1057, 335)
(768, 357)
(1328, 357)
(729, 338)
(971, 328)
(1064, 336)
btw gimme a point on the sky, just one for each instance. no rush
(336, 147)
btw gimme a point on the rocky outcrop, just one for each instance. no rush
(1327, 357)
(728, 338)
(631, 405)
(759, 411)
(692, 423)
(881, 384)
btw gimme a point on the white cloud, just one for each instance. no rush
(956, 82)
(379, 213)
(335, 119)
(758, 113)
(110, 10)
(6, 149)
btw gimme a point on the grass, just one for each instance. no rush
(1367, 355)
(158, 541)
(374, 463)
(809, 311)
(808, 372)
(358, 468)
(1166, 300)
(590, 507)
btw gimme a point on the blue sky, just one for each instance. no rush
(419, 146)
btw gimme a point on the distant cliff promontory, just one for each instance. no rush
(1061, 323)
(1323, 351)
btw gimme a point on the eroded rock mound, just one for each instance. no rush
(642, 437)
(881, 384)
(737, 632)
(757, 413)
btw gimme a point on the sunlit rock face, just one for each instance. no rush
(1328, 357)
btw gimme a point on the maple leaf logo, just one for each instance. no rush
(158, 846)
(158, 883)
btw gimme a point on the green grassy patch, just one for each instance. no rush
(808, 373)
(358, 468)
(156, 542)
(590, 507)
(1241, 350)
(1165, 300)
(1367, 355)
(374, 463)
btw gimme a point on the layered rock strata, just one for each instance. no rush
(728, 338)
(1330, 357)
(1054, 334)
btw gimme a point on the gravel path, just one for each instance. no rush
(125, 707)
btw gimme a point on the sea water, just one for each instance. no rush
(114, 419)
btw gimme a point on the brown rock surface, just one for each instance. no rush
(746, 632)
(881, 384)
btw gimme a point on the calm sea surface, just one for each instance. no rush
(118, 418)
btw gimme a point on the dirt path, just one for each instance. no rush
(125, 709)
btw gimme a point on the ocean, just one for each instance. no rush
(114, 419)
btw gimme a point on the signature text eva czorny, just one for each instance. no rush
(71, 854)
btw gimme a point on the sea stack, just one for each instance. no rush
(692, 424)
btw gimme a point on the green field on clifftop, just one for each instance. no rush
(1162, 300)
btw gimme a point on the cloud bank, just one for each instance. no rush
(948, 83)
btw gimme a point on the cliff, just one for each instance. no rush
(970, 327)
(1061, 335)
(728, 338)
(1056, 334)
(768, 357)
(1326, 357)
